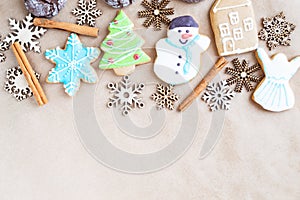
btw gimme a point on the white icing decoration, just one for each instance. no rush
(239, 51)
(217, 8)
(224, 30)
(171, 56)
(248, 24)
(228, 45)
(234, 18)
(274, 92)
(238, 33)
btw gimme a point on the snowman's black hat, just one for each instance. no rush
(183, 21)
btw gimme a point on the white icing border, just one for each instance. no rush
(239, 51)
(216, 9)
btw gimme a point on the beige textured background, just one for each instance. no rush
(41, 156)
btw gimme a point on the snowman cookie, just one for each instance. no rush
(274, 92)
(178, 56)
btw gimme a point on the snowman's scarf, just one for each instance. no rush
(188, 53)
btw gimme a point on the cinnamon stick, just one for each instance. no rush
(222, 62)
(29, 75)
(82, 30)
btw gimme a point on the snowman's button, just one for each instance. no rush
(178, 64)
(176, 72)
(179, 56)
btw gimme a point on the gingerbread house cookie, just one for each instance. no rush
(233, 23)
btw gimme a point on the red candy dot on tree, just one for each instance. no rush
(116, 22)
(109, 42)
(136, 56)
(111, 60)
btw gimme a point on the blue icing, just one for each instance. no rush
(72, 64)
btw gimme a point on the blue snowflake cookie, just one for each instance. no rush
(72, 64)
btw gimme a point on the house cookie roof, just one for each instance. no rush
(228, 4)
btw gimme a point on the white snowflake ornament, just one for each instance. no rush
(218, 96)
(3, 47)
(165, 97)
(87, 12)
(25, 33)
(2, 57)
(126, 94)
(17, 85)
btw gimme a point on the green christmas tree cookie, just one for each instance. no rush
(122, 47)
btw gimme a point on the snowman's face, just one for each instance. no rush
(182, 35)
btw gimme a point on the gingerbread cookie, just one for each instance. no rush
(72, 64)
(274, 92)
(234, 27)
(44, 8)
(122, 47)
(178, 56)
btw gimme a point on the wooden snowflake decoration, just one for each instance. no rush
(218, 96)
(25, 33)
(126, 94)
(242, 75)
(276, 31)
(165, 97)
(87, 12)
(156, 13)
(16, 84)
(3, 47)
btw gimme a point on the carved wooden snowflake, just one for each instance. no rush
(2, 57)
(242, 75)
(165, 97)
(16, 84)
(25, 33)
(156, 13)
(276, 31)
(126, 94)
(87, 12)
(218, 96)
(3, 47)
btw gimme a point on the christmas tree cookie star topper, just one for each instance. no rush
(72, 64)
(122, 47)
(178, 56)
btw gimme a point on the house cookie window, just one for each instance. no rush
(238, 34)
(234, 18)
(224, 30)
(248, 24)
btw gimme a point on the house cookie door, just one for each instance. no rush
(228, 45)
